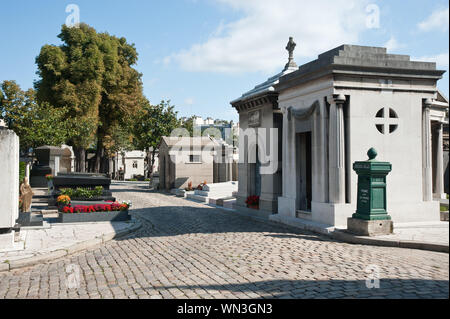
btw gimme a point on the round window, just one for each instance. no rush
(386, 120)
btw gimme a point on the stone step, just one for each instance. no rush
(229, 203)
(39, 200)
(41, 196)
(227, 186)
(197, 198)
(178, 192)
(222, 201)
(213, 194)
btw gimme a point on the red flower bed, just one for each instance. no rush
(95, 208)
(252, 200)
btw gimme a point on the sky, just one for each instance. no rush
(202, 54)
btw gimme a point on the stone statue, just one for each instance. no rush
(26, 194)
(290, 47)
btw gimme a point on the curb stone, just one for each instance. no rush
(4, 267)
(352, 239)
(56, 254)
(39, 259)
(340, 235)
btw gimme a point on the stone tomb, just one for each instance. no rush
(9, 186)
(328, 113)
(48, 162)
(193, 159)
(82, 180)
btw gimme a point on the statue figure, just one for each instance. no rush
(26, 194)
(290, 47)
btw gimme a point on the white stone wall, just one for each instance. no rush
(9, 177)
(403, 148)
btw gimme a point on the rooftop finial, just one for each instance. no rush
(290, 47)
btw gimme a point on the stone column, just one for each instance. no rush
(323, 154)
(439, 178)
(426, 152)
(337, 151)
(9, 176)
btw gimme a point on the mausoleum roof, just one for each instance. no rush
(265, 87)
(355, 58)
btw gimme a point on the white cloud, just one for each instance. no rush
(256, 41)
(392, 44)
(189, 101)
(440, 59)
(438, 20)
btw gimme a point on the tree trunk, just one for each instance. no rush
(152, 161)
(80, 159)
(98, 152)
(104, 164)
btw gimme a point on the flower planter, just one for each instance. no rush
(108, 216)
(253, 206)
(61, 206)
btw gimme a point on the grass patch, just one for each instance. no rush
(444, 208)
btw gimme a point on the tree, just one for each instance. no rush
(35, 124)
(92, 75)
(150, 124)
(189, 125)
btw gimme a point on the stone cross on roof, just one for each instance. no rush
(290, 47)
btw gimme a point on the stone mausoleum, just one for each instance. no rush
(329, 113)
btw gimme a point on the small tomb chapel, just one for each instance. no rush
(329, 113)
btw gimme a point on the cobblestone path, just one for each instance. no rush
(189, 250)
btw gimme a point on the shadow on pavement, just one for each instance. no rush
(325, 289)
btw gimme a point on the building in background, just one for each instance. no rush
(131, 164)
(194, 159)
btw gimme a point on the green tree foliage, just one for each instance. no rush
(92, 75)
(151, 123)
(189, 125)
(35, 124)
(22, 168)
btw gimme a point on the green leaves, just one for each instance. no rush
(153, 122)
(92, 75)
(35, 124)
(82, 193)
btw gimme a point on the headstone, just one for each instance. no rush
(9, 186)
(371, 217)
(48, 158)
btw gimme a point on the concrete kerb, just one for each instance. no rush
(352, 239)
(344, 236)
(56, 254)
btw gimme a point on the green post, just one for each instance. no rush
(371, 201)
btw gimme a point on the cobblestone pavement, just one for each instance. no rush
(189, 250)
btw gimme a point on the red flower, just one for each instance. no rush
(68, 209)
(252, 200)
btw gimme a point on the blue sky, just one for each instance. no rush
(201, 54)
